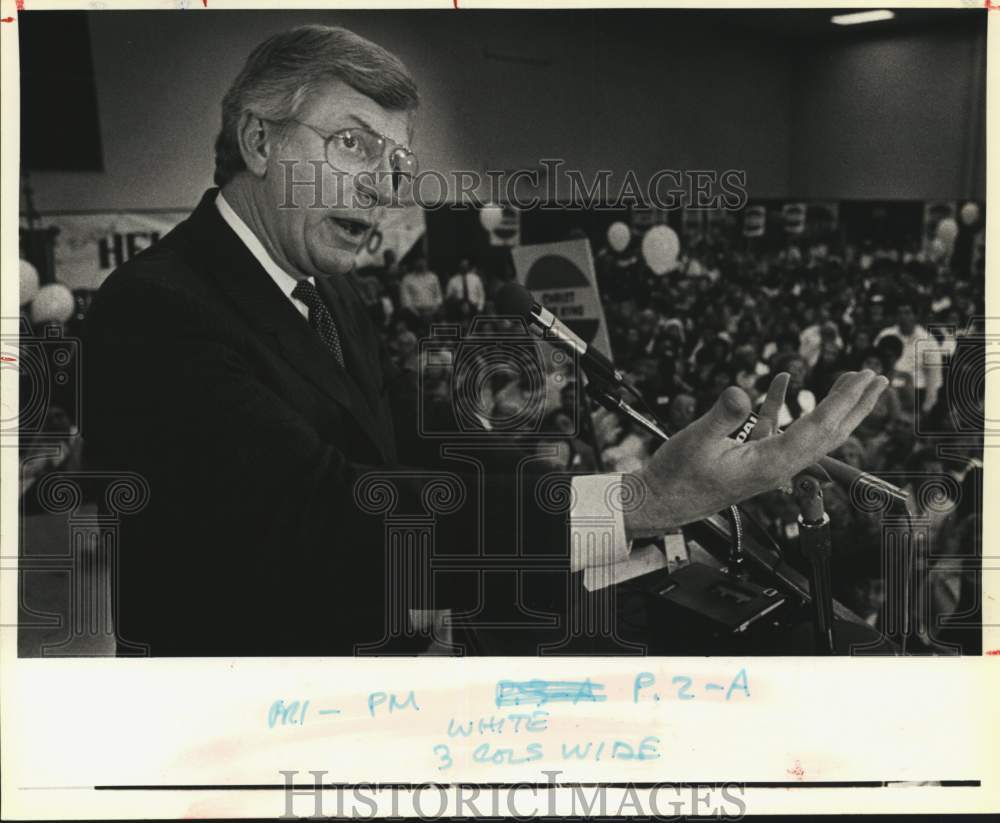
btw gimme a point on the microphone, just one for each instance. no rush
(848, 476)
(514, 299)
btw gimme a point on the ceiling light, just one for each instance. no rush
(862, 17)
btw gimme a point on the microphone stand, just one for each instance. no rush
(817, 546)
(613, 402)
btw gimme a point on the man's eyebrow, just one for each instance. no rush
(362, 122)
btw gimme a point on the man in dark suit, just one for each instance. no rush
(234, 366)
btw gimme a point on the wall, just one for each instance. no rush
(602, 89)
(842, 117)
(899, 117)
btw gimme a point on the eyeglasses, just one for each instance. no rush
(356, 149)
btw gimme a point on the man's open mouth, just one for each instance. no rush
(355, 228)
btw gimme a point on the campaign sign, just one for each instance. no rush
(561, 278)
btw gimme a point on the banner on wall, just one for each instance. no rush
(794, 217)
(88, 247)
(754, 221)
(507, 230)
(399, 231)
(561, 278)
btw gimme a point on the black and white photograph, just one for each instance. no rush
(538, 334)
(547, 340)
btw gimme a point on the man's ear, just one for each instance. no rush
(256, 139)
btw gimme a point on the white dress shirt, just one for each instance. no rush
(282, 279)
(473, 287)
(921, 358)
(598, 545)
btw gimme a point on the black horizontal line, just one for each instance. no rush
(305, 787)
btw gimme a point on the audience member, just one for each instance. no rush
(420, 294)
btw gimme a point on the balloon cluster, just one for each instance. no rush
(660, 246)
(51, 303)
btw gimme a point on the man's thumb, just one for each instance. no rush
(728, 414)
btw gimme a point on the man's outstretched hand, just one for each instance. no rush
(701, 470)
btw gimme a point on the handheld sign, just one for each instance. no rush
(561, 277)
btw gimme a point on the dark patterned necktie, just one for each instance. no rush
(320, 318)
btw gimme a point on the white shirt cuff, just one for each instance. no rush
(597, 522)
(598, 544)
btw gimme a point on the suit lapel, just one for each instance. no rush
(271, 313)
(362, 351)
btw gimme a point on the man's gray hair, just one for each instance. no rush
(283, 71)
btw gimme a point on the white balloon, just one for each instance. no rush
(969, 214)
(619, 236)
(491, 216)
(939, 249)
(947, 230)
(29, 282)
(660, 248)
(54, 303)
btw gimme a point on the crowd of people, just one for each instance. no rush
(729, 315)
(726, 315)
